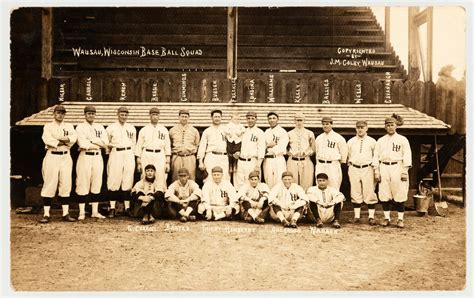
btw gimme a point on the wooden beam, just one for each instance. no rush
(429, 46)
(46, 42)
(387, 27)
(232, 42)
(413, 61)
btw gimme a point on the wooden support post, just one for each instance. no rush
(387, 28)
(232, 42)
(429, 46)
(413, 62)
(46, 42)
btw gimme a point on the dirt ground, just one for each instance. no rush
(120, 254)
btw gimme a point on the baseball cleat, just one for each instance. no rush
(81, 217)
(45, 219)
(144, 220)
(192, 218)
(385, 223)
(129, 213)
(183, 219)
(68, 218)
(372, 222)
(319, 223)
(293, 224)
(336, 224)
(356, 220)
(98, 216)
(151, 219)
(111, 213)
(400, 223)
(285, 223)
(259, 220)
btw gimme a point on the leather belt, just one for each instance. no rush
(59, 152)
(153, 150)
(389, 163)
(245, 159)
(123, 149)
(93, 153)
(270, 156)
(298, 158)
(360, 167)
(219, 153)
(183, 155)
(324, 161)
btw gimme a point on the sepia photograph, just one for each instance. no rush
(306, 149)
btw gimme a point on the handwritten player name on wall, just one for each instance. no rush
(233, 93)
(62, 91)
(326, 92)
(215, 92)
(358, 93)
(154, 91)
(387, 84)
(123, 91)
(355, 57)
(271, 97)
(298, 93)
(183, 87)
(89, 88)
(252, 97)
(137, 52)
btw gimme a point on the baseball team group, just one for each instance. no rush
(234, 158)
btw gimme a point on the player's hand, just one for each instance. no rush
(253, 204)
(377, 177)
(139, 167)
(202, 167)
(404, 177)
(185, 204)
(64, 139)
(271, 144)
(260, 204)
(208, 214)
(236, 155)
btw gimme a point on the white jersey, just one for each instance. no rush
(122, 136)
(253, 143)
(301, 142)
(287, 198)
(249, 193)
(213, 140)
(87, 134)
(153, 137)
(278, 135)
(177, 192)
(361, 150)
(392, 148)
(222, 194)
(53, 131)
(325, 197)
(331, 146)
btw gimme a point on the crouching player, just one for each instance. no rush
(148, 196)
(254, 197)
(325, 203)
(183, 196)
(219, 198)
(287, 201)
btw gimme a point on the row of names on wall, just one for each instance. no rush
(215, 90)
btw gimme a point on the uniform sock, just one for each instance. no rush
(182, 212)
(46, 210)
(371, 213)
(387, 214)
(126, 204)
(295, 216)
(357, 212)
(280, 215)
(65, 209)
(82, 209)
(95, 208)
(400, 215)
(112, 204)
(188, 211)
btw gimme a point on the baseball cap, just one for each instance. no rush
(89, 109)
(254, 174)
(251, 114)
(216, 111)
(183, 172)
(272, 113)
(322, 176)
(299, 116)
(183, 111)
(361, 123)
(217, 169)
(326, 119)
(154, 110)
(150, 166)
(60, 108)
(390, 120)
(122, 110)
(286, 174)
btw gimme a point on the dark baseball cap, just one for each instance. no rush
(60, 108)
(122, 110)
(89, 109)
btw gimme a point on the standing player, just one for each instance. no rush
(361, 173)
(121, 164)
(287, 201)
(58, 138)
(212, 150)
(91, 138)
(276, 139)
(153, 147)
(392, 160)
(252, 151)
(184, 143)
(325, 202)
(219, 198)
(301, 147)
(183, 197)
(331, 152)
(254, 195)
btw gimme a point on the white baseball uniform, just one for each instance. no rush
(57, 163)
(90, 165)
(392, 157)
(253, 148)
(274, 164)
(213, 148)
(177, 192)
(184, 144)
(331, 150)
(121, 164)
(361, 172)
(301, 144)
(289, 199)
(254, 194)
(217, 197)
(153, 145)
(325, 200)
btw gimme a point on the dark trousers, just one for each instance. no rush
(313, 209)
(155, 208)
(246, 206)
(174, 208)
(231, 149)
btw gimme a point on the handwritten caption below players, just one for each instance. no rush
(230, 229)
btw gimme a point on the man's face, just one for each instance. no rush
(216, 118)
(90, 117)
(322, 183)
(391, 128)
(361, 130)
(154, 117)
(327, 126)
(299, 123)
(122, 117)
(217, 177)
(287, 180)
(59, 116)
(251, 120)
(272, 121)
(183, 178)
(183, 119)
(254, 181)
(150, 174)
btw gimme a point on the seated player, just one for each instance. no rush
(148, 196)
(254, 197)
(325, 202)
(183, 197)
(219, 198)
(287, 201)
